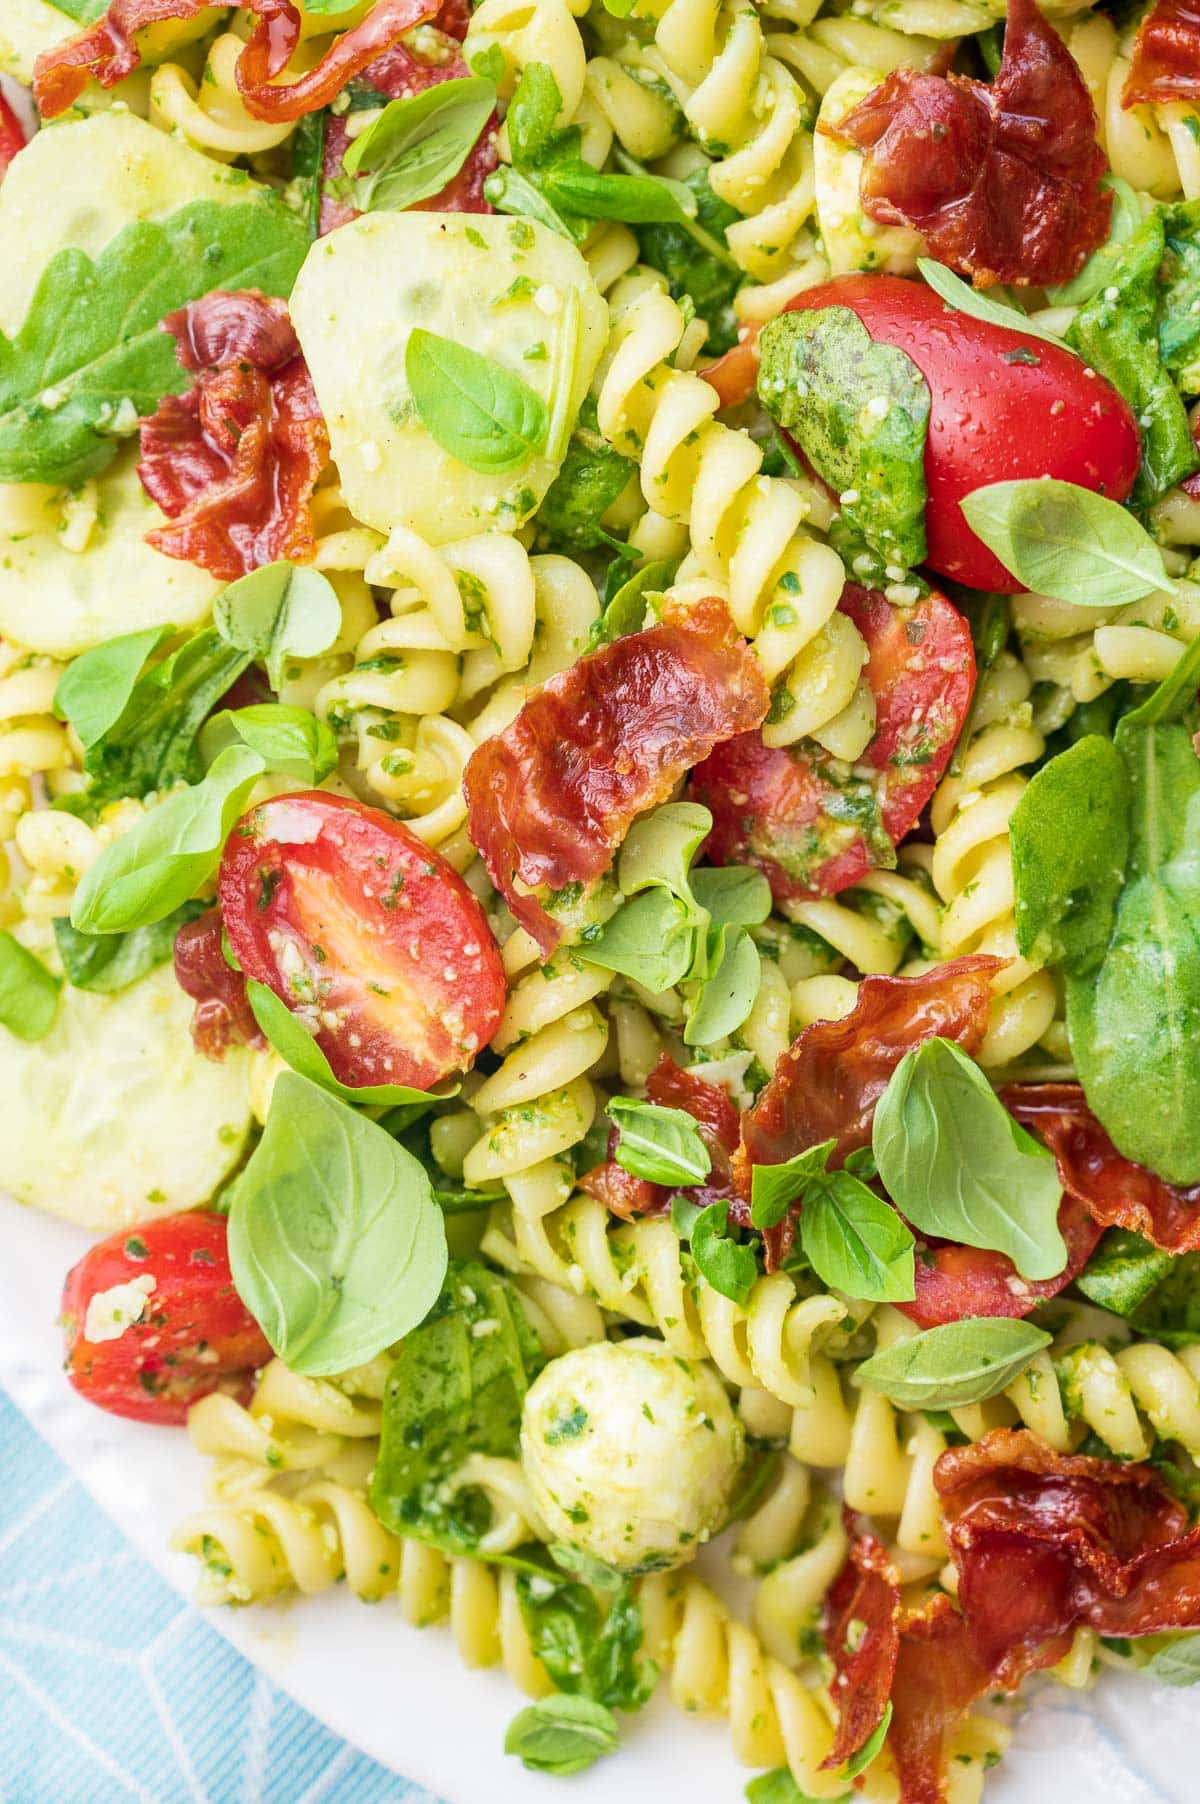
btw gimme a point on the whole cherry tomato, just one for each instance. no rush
(153, 1322)
(366, 933)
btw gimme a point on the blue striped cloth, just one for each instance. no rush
(114, 1691)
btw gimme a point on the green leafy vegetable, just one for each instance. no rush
(958, 1166)
(561, 1734)
(1123, 1271)
(418, 143)
(590, 480)
(956, 1364)
(287, 739)
(778, 1787)
(852, 1238)
(111, 961)
(729, 1267)
(858, 1763)
(157, 866)
(588, 1651)
(278, 612)
(649, 939)
(456, 1388)
(1171, 1312)
(727, 994)
(92, 351)
(965, 299)
(1176, 1661)
(732, 895)
(1098, 271)
(694, 272)
(774, 1188)
(84, 12)
(1067, 542)
(28, 992)
(292, 1040)
(328, 1202)
(478, 411)
(660, 1144)
(659, 849)
(1179, 315)
(860, 412)
(308, 169)
(95, 688)
(626, 611)
(1070, 842)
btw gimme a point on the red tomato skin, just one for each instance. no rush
(379, 929)
(990, 419)
(195, 1334)
(12, 135)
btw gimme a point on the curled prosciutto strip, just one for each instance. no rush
(1166, 56)
(1115, 1192)
(1002, 181)
(232, 463)
(860, 1623)
(551, 797)
(954, 1282)
(222, 1017)
(711, 1108)
(108, 51)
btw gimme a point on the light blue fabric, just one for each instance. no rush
(112, 1690)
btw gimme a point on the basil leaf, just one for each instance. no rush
(1123, 1271)
(157, 866)
(28, 992)
(277, 612)
(587, 1652)
(858, 1763)
(327, 1205)
(778, 1787)
(855, 1241)
(292, 1040)
(289, 740)
(860, 412)
(457, 1387)
(1177, 1662)
(93, 337)
(648, 939)
(728, 994)
(956, 1364)
(95, 688)
(1172, 701)
(958, 1166)
(1067, 542)
(729, 1267)
(1115, 331)
(418, 143)
(474, 408)
(84, 12)
(626, 612)
(106, 962)
(592, 476)
(659, 849)
(308, 169)
(1171, 1313)
(635, 199)
(693, 269)
(1097, 272)
(733, 895)
(965, 299)
(1070, 843)
(561, 1734)
(660, 1144)
(774, 1188)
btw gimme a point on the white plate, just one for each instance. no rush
(401, 1694)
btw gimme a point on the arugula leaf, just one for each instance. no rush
(728, 990)
(590, 480)
(418, 143)
(965, 299)
(692, 271)
(1123, 1271)
(587, 1652)
(474, 408)
(561, 1734)
(1115, 331)
(92, 340)
(1067, 542)
(648, 939)
(157, 866)
(95, 688)
(277, 612)
(292, 1040)
(660, 1144)
(956, 1364)
(457, 1387)
(1070, 842)
(326, 1203)
(289, 740)
(860, 412)
(28, 991)
(727, 1266)
(958, 1166)
(107, 962)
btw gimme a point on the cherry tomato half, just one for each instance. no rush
(794, 812)
(153, 1322)
(12, 135)
(365, 932)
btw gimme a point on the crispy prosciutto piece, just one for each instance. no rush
(108, 51)
(222, 1017)
(550, 798)
(232, 463)
(711, 1108)
(939, 1675)
(795, 812)
(1114, 1191)
(860, 1624)
(953, 1282)
(1002, 180)
(1166, 56)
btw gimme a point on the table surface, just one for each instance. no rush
(113, 1690)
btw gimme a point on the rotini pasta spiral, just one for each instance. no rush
(210, 113)
(534, 31)
(1083, 651)
(32, 743)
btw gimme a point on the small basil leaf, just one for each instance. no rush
(307, 1256)
(858, 1763)
(730, 1268)
(956, 1364)
(684, 1215)
(474, 408)
(626, 612)
(648, 939)
(778, 1787)
(660, 846)
(159, 864)
(28, 992)
(660, 1144)
(277, 612)
(107, 962)
(725, 999)
(289, 740)
(1176, 1662)
(958, 1166)
(855, 1241)
(965, 299)
(635, 199)
(732, 895)
(95, 688)
(418, 143)
(1070, 845)
(1067, 542)
(1171, 701)
(561, 1734)
(293, 1042)
(587, 1652)
(1123, 1271)
(774, 1188)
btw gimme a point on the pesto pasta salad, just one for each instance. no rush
(600, 811)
